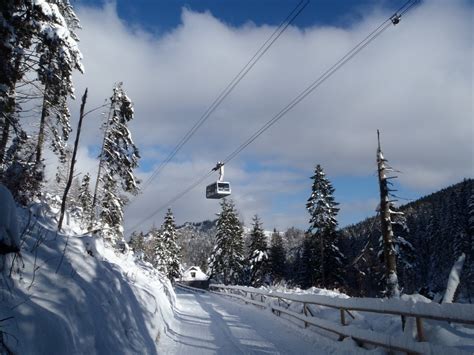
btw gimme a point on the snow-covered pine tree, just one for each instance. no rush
(227, 261)
(20, 175)
(17, 30)
(323, 210)
(137, 244)
(309, 268)
(59, 56)
(85, 200)
(111, 214)
(119, 155)
(169, 240)
(277, 257)
(258, 254)
(155, 251)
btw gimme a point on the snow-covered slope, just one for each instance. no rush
(79, 303)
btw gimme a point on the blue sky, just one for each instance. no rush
(174, 57)
(161, 16)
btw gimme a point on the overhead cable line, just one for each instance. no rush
(392, 20)
(228, 89)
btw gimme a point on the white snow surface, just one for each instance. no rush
(111, 303)
(440, 334)
(107, 303)
(210, 324)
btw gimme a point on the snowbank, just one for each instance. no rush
(66, 301)
(378, 327)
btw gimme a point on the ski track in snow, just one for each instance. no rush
(210, 324)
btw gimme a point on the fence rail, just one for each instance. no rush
(455, 313)
(190, 288)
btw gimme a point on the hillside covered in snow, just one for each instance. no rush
(70, 293)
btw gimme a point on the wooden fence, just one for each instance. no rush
(279, 303)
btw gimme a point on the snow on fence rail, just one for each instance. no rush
(190, 288)
(456, 313)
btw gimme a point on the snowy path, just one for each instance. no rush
(210, 324)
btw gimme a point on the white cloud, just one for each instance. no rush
(414, 83)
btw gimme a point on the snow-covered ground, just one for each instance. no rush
(441, 335)
(210, 324)
(70, 293)
(105, 303)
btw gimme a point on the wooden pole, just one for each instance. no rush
(73, 161)
(343, 316)
(419, 329)
(305, 311)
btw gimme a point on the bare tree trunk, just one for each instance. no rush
(5, 135)
(322, 270)
(39, 145)
(8, 110)
(390, 258)
(73, 161)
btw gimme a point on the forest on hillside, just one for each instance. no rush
(436, 230)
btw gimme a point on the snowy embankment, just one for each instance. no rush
(70, 294)
(441, 335)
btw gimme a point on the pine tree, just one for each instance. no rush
(58, 56)
(227, 260)
(111, 214)
(20, 174)
(258, 254)
(155, 251)
(309, 267)
(119, 154)
(327, 269)
(85, 200)
(137, 244)
(277, 257)
(171, 256)
(17, 31)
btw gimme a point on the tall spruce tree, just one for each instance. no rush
(170, 257)
(155, 250)
(137, 243)
(119, 155)
(227, 259)
(258, 254)
(111, 214)
(85, 200)
(59, 56)
(327, 269)
(20, 175)
(277, 257)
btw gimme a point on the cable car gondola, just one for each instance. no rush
(220, 188)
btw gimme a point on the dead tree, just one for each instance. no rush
(390, 255)
(73, 161)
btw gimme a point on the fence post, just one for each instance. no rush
(343, 316)
(305, 311)
(419, 329)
